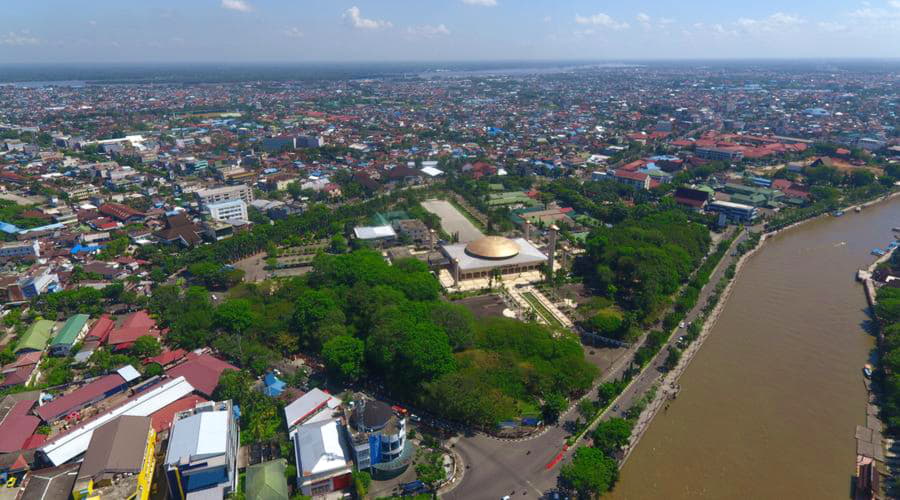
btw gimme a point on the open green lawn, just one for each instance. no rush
(536, 304)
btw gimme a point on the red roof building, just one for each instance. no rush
(135, 326)
(166, 358)
(97, 390)
(101, 329)
(17, 427)
(202, 371)
(122, 213)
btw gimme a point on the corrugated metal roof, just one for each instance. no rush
(201, 435)
(68, 446)
(68, 334)
(303, 406)
(36, 336)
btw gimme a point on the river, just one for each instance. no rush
(769, 406)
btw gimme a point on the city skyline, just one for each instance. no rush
(447, 30)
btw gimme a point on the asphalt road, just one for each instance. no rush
(496, 468)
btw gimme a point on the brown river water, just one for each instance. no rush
(769, 406)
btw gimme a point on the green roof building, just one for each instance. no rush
(266, 481)
(36, 336)
(71, 332)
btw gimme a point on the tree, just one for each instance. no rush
(234, 385)
(235, 315)
(153, 370)
(431, 470)
(672, 358)
(587, 408)
(338, 244)
(146, 346)
(344, 357)
(611, 435)
(457, 322)
(591, 472)
(554, 404)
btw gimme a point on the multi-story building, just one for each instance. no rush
(323, 461)
(414, 229)
(377, 436)
(734, 212)
(636, 179)
(81, 191)
(201, 460)
(721, 154)
(228, 210)
(40, 281)
(225, 193)
(20, 250)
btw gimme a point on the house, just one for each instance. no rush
(54, 483)
(695, 199)
(71, 332)
(101, 329)
(122, 213)
(266, 481)
(134, 327)
(36, 337)
(179, 229)
(201, 458)
(323, 461)
(202, 371)
(479, 169)
(414, 229)
(16, 424)
(122, 454)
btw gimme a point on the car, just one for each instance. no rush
(415, 418)
(504, 497)
(681, 325)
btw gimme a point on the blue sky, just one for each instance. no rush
(45, 31)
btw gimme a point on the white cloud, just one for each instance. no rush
(831, 27)
(355, 18)
(19, 38)
(481, 3)
(775, 22)
(601, 19)
(428, 31)
(238, 5)
(92, 22)
(642, 18)
(547, 19)
(895, 4)
(293, 32)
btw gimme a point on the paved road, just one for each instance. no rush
(452, 221)
(497, 468)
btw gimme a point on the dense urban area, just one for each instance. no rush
(465, 285)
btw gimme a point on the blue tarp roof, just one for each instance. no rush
(9, 228)
(89, 248)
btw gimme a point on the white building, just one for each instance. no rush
(20, 250)
(225, 193)
(323, 461)
(228, 210)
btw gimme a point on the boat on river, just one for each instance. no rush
(867, 370)
(858, 209)
(878, 252)
(837, 213)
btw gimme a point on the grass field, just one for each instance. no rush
(536, 304)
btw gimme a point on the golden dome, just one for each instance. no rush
(493, 247)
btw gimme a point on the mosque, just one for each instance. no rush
(513, 259)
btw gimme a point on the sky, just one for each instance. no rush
(57, 31)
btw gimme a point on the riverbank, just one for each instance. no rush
(871, 443)
(669, 387)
